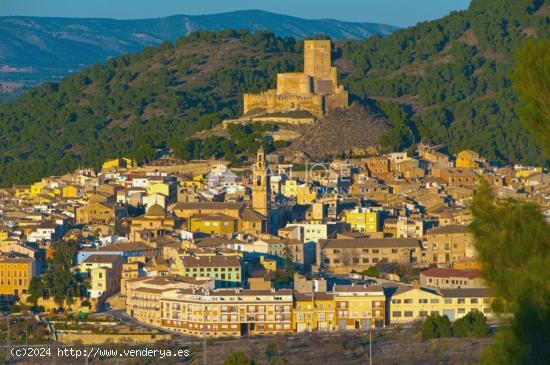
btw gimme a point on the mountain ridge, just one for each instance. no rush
(56, 46)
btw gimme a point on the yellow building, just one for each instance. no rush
(4, 234)
(315, 90)
(290, 188)
(345, 255)
(124, 162)
(268, 264)
(155, 220)
(36, 188)
(71, 191)
(359, 307)
(211, 217)
(16, 273)
(104, 272)
(524, 172)
(447, 244)
(219, 224)
(467, 159)
(313, 312)
(227, 312)
(22, 190)
(467, 264)
(304, 195)
(99, 212)
(409, 303)
(363, 220)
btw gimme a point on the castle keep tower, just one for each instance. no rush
(315, 90)
(260, 185)
(317, 62)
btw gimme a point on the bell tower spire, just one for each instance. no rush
(260, 184)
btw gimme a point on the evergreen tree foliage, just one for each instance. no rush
(513, 243)
(532, 83)
(238, 358)
(472, 324)
(435, 326)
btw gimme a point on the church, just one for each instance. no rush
(315, 90)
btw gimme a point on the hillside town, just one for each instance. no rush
(201, 249)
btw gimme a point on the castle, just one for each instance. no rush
(315, 90)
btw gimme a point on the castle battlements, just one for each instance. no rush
(315, 90)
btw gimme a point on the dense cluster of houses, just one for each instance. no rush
(206, 250)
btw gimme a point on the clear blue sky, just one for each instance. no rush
(396, 12)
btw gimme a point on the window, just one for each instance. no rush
(461, 310)
(407, 301)
(461, 301)
(396, 301)
(448, 301)
(434, 313)
(434, 301)
(396, 314)
(423, 313)
(473, 301)
(408, 313)
(423, 301)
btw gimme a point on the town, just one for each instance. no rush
(202, 249)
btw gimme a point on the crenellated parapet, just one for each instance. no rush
(315, 90)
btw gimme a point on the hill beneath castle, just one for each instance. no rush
(445, 82)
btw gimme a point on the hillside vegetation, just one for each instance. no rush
(445, 81)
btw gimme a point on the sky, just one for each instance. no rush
(400, 13)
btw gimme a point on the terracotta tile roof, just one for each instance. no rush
(211, 261)
(445, 273)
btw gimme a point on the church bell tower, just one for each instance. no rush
(260, 184)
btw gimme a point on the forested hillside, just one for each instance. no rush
(445, 81)
(137, 103)
(452, 78)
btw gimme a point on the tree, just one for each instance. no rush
(372, 271)
(513, 239)
(461, 327)
(35, 289)
(479, 325)
(238, 358)
(513, 244)
(532, 83)
(435, 326)
(443, 326)
(472, 324)
(428, 328)
(288, 256)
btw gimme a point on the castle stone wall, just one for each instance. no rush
(315, 90)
